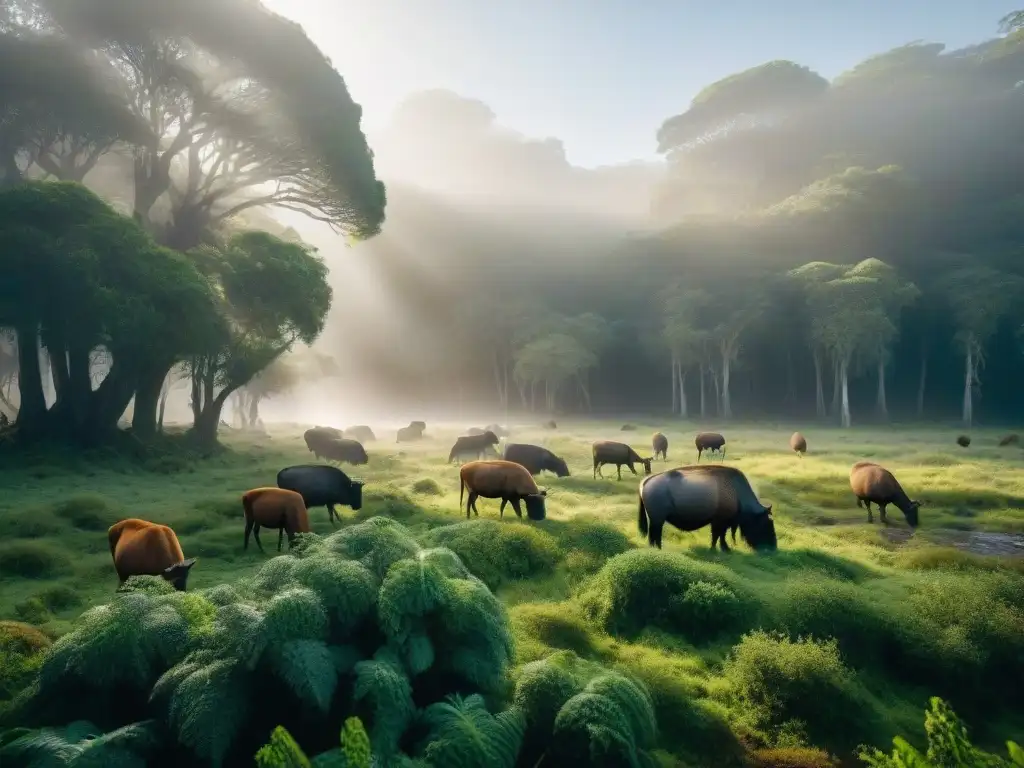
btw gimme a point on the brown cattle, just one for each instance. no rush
(873, 483)
(503, 480)
(660, 444)
(798, 443)
(1011, 439)
(472, 445)
(610, 452)
(274, 508)
(142, 548)
(711, 442)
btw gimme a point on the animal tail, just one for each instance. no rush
(247, 506)
(641, 520)
(462, 487)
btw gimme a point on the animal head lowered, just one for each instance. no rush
(910, 513)
(758, 530)
(560, 468)
(647, 464)
(535, 508)
(177, 574)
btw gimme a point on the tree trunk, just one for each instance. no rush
(726, 369)
(883, 408)
(165, 392)
(819, 392)
(717, 384)
(684, 409)
(845, 402)
(921, 382)
(836, 387)
(205, 428)
(147, 400)
(676, 408)
(254, 411)
(703, 393)
(32, 404)
(581, 378)
(968, 409)
(501, 382)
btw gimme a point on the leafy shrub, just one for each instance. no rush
(59, 597)
(87, 512)
(428, 486)
(578, 713)
(791, 757)
(780, 684)
(21, 653)
(647, 588)
(32, 610)
(498, 551)
(31, 560)
(363, 622)
(948, 746)
(83, 744)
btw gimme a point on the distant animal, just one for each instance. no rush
(710, 442)
(497, 429)
(327, 431)
(628, 428)
(412, 432)
(1012, 439)
(142, 548)
(475, 431)
(609, 452)
(871, 482)
(274, 508)
(503, 480)
(660, 444)
(322, 486)
(536, 459)
(550, 424)
(341, 450)
(963, 441)
(798, 443)
(691, 497)
(472, 445)
(318, 438)
(360, 432)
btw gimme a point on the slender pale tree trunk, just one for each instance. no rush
(703, 393)
(969, 376)
(675, 386)
(726, 375)
(922, 381)
(819, 392)
(845, 401)
(883, 407)
(684, 409)
(836, 387)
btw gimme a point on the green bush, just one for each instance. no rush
(32, 560)
(363, 622)
(497, 551)
(59, 597)
(651, 588)
(948, 747)
(87, 512)
(428, 486)
(22, 648)
(786, 685)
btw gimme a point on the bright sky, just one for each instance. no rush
(603, 74)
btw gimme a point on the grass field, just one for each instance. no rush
(913, 616)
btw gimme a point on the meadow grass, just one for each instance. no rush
(912, 616)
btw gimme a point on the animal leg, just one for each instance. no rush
(248, 529)
(618, 468)
(256, 535)
(469, 502)
(867, 506)
(718, 534)
(332, 514)
(597, 469)
(501, 509)
(723, 454)
(654, 534)
(280, 538)
(516, 507)
(631, 469)
(860, 503)
(881, 513)
(698, 455)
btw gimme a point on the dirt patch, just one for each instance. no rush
(975, 542)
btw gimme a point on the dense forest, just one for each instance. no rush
(843, 249)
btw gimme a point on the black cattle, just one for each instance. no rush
(536, 459)
(322, 486)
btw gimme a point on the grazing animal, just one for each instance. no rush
(475, 431)
(274, 508)
(1013, 439)
(550, 424)
(963, 441)
(497, 429)
(873, 483)
(360, 432)
(660, 444)
(536, 459)
(503, 480)
(342, 449)
(628, 428)
(328, 431)
(413, 432)
(691, 497)
(710, 442)
(322, 486)
(318, 438)
(798, 443)
(472, 445)
(609, 452)
(142, 548)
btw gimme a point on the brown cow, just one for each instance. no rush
(798, 443)
(873, 483)
(660, 444)
(274, 508)
(142, 548)
(610, 452)
(505, 480)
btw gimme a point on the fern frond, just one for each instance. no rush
(274, 575)
(82, 745)
(541, 691)
(446, 561)
(376, 543)
(208, 707)
(411, 590)
(635, 703)
(592, 730)
(355, 744)
(463, 734)
(417, 652)
(128, 641)
(281, 751)
(307, 667)
(238, 633)
(383, 686)
(473, 630)
(198, 612)
(295, 614)
(347, 590)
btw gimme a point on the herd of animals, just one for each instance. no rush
(689, 498)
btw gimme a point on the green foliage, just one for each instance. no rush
(354, 622)
(22, 649)
(948, 746)
(281, 752)
(82, 745)
(463, 734)
(497, 553)
(32, 560)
